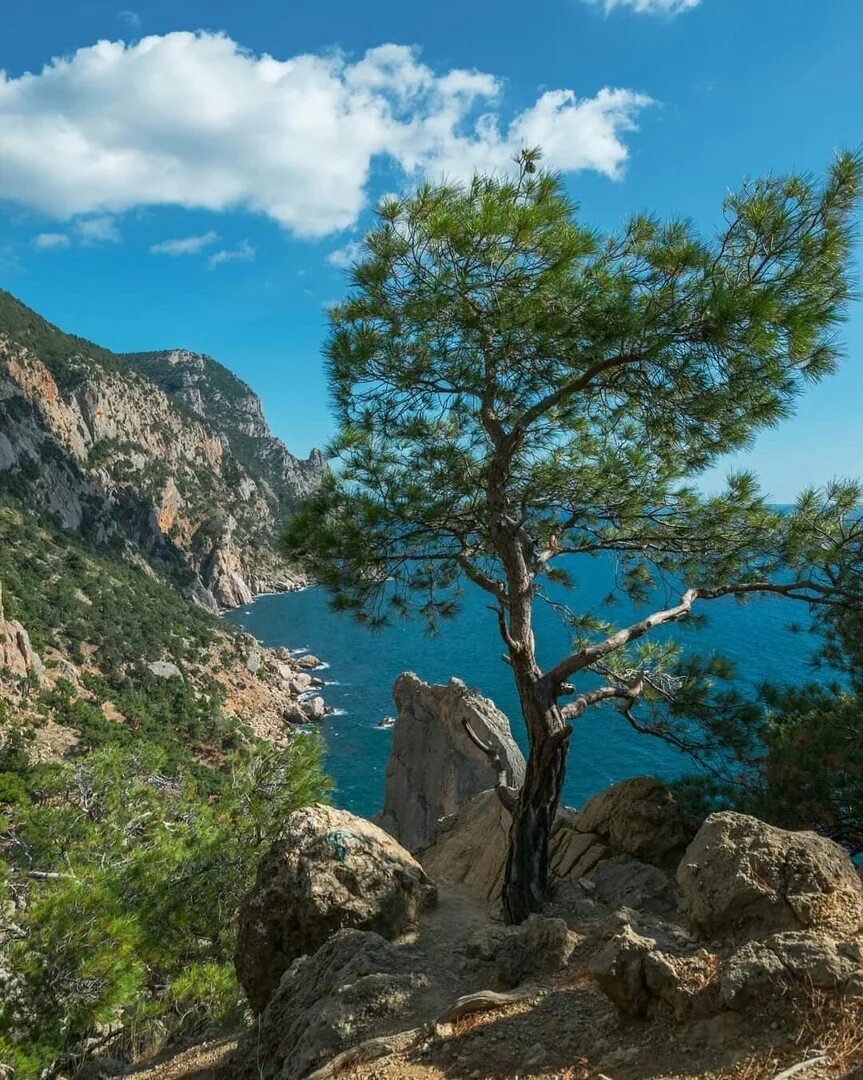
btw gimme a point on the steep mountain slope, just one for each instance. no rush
(214, 395)
(166, 453)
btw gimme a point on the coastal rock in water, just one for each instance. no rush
(435, 768)
(308, 661)
(315, 709)
(353, 988)
(331, 870)
(740, 873)
(17, 656)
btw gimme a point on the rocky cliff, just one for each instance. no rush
(166, 453)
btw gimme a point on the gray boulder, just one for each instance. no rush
(435, 768)
(164, 669)
(622, 881)
(538, 948)
(740, 874)
(314, 708)
(639, 817)
(645, 974)
(808, 959)
(748, 975)
(469, 848)
(354, 987)
(330, 871)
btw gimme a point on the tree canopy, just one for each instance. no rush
(516, 391)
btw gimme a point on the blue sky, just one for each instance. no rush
(195, 186)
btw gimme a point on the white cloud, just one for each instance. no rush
(649, 7)
(97, 230)
(243, 252)
(46, 241)
(185, 245)
(194, 120)
(345, 257)
(130, 18)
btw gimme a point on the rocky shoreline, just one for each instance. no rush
(288, 675)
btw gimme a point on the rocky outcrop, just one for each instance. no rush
(741, 874)
(435, 767)
(782, 960)
(469, 848)
(18, 658)
(598, 843)
(639, 817)
(537, 949)
(352, 988)
(330, 871)
(227, 405)
(646, 972)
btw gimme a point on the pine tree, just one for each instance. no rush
(516, 392)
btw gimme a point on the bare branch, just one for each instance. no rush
(811, 592)
(502, 789)
(584, 701)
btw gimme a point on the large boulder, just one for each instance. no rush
(806, 958)
(435, 767)
(537, 949)
(741, 874)
(469, 848)
(353, 988)
(648, 972)
(330, 871)
(639, 817)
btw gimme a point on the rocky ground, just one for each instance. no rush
(671, 949)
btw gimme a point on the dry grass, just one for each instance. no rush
(835, 1025)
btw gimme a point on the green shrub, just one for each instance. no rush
(140, 868)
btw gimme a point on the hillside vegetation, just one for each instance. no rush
(144, 755)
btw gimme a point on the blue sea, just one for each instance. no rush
(362, 665)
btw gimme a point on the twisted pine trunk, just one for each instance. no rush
(526, 886)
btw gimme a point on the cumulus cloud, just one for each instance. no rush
(47, 241)
(194, 120)
(649, 7)
(185, 245)
(345, 257)
(243, 252)
(97, 230)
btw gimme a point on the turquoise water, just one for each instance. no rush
(363, 665)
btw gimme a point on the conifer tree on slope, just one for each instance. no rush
(517, 392)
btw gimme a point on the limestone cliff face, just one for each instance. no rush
(17, 656)
(169, 453)
(207, 390)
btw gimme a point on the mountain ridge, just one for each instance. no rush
(165, 452)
